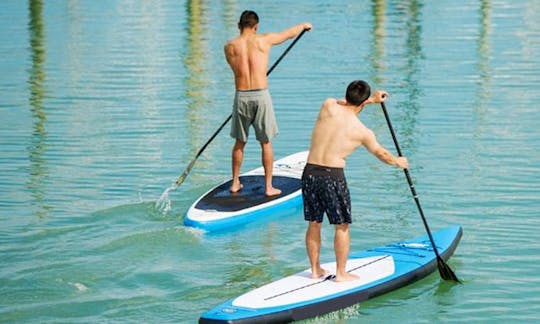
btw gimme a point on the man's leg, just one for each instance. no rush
(237, 157)
(313, 247)
(268, 165)
(341, 247)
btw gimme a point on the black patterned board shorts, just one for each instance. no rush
(324, 190)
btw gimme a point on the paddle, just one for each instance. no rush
(444, 270)
(184, 174)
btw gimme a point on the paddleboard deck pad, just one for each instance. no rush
(380, 270)
(219, 209)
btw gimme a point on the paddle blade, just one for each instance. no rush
(445, 271)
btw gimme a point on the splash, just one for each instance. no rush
(164, 204)
(80, 287)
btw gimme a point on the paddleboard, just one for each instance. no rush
(218, 209)
(380, 269)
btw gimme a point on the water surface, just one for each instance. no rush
(105, 103)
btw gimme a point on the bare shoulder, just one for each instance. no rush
(264, 41)
(368, 138)
(233, 47)
(367, 133)
(230, 45)
(230, 52)
(359, 131)
(326, 106)
(329, 102)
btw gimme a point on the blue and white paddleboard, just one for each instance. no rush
(218, 209)
(297, 297)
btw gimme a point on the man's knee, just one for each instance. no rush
(315, 225)
(265, 144)
(343, 227)
(239, 145)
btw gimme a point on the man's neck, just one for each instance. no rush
(248, 31)
(356, 108)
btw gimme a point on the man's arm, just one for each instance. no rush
(228, 49)
(280, 37)
(377, 97)
(371, 143)
(373, 146)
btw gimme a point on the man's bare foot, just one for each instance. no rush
(346, 277)
(236, 188)
(272, 192)
(320, 273)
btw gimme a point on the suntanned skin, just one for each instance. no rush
(248, 56)
(336, 134)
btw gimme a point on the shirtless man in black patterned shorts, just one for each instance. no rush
(336, 134)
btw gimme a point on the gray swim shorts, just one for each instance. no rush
(253, 107)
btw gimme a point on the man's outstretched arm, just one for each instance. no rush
(280, 37)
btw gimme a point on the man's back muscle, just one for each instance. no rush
(337, 133)
(248, 58)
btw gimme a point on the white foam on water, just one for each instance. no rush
(79, 286)
(164, 203)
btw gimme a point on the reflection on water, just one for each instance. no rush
(409, 19)
(482, 66)
(38, 145)
(377, 43)
(483, 83)
(196, 77)
(229, 14)
(412, 15)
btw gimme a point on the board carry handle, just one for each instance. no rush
(184, 174)
(444, 270)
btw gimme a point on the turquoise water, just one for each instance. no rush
(104, 103)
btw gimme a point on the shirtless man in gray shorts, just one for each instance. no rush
(336, 134)
(248, 56)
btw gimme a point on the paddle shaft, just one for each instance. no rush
(184, 174)
(409, 180)
(444, 270)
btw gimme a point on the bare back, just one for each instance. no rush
(336, 134)
(247, 56)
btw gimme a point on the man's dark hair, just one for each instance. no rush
(248, 19)
(357, 92)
